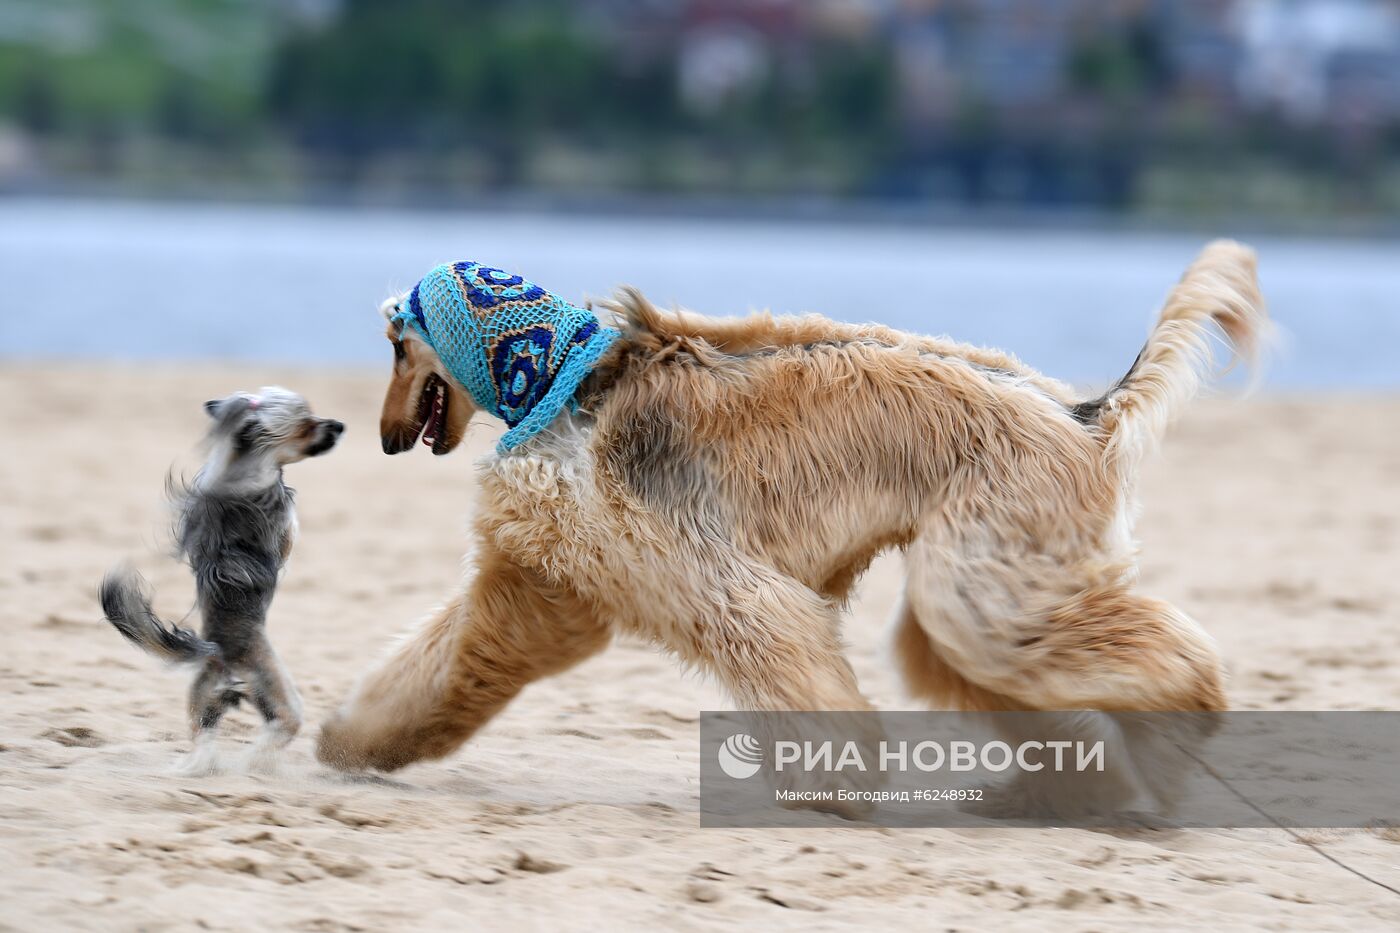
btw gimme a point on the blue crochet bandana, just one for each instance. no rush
(520, 351)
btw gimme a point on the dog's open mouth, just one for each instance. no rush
(432, 413)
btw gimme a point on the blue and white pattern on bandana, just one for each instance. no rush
(519, 350)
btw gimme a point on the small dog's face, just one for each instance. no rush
(421, 398)
(275, 422)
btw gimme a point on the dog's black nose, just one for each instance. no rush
(336, 427)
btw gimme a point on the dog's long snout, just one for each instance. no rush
(336, 428)
(396, 440)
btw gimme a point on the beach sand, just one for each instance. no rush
(1275, 522)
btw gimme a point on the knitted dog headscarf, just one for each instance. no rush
(520, 351)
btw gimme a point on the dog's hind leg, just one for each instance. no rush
(276, 699)
(208, 701)
(928, 676)
(1055, 629)
(447, 680)
(1028, 634)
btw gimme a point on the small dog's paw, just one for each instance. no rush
(203, 760)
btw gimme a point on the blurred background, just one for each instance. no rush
(1030, 173)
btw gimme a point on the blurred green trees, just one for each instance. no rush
(182, 67)
(416, 96)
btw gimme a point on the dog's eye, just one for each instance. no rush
(399, 353)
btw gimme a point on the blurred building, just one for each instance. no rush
(1321, 61)
(1034, 102)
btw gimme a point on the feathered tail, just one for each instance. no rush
(1219, 288)
(126, 601)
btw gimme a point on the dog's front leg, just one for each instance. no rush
(773, 642)
(775, 645)
(506, 630)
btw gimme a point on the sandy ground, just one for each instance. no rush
(1275, 522)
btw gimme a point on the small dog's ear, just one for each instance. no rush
(211, 407)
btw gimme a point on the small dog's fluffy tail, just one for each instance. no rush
(126, 601)
(1219, 288)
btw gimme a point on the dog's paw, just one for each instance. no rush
(1099, 801)
(202, 761)
(1145, 819)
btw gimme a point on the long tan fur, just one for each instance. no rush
(724, 483)
(1219, 288)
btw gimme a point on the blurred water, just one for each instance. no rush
(143, 281)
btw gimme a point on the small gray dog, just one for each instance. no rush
(235, 524)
